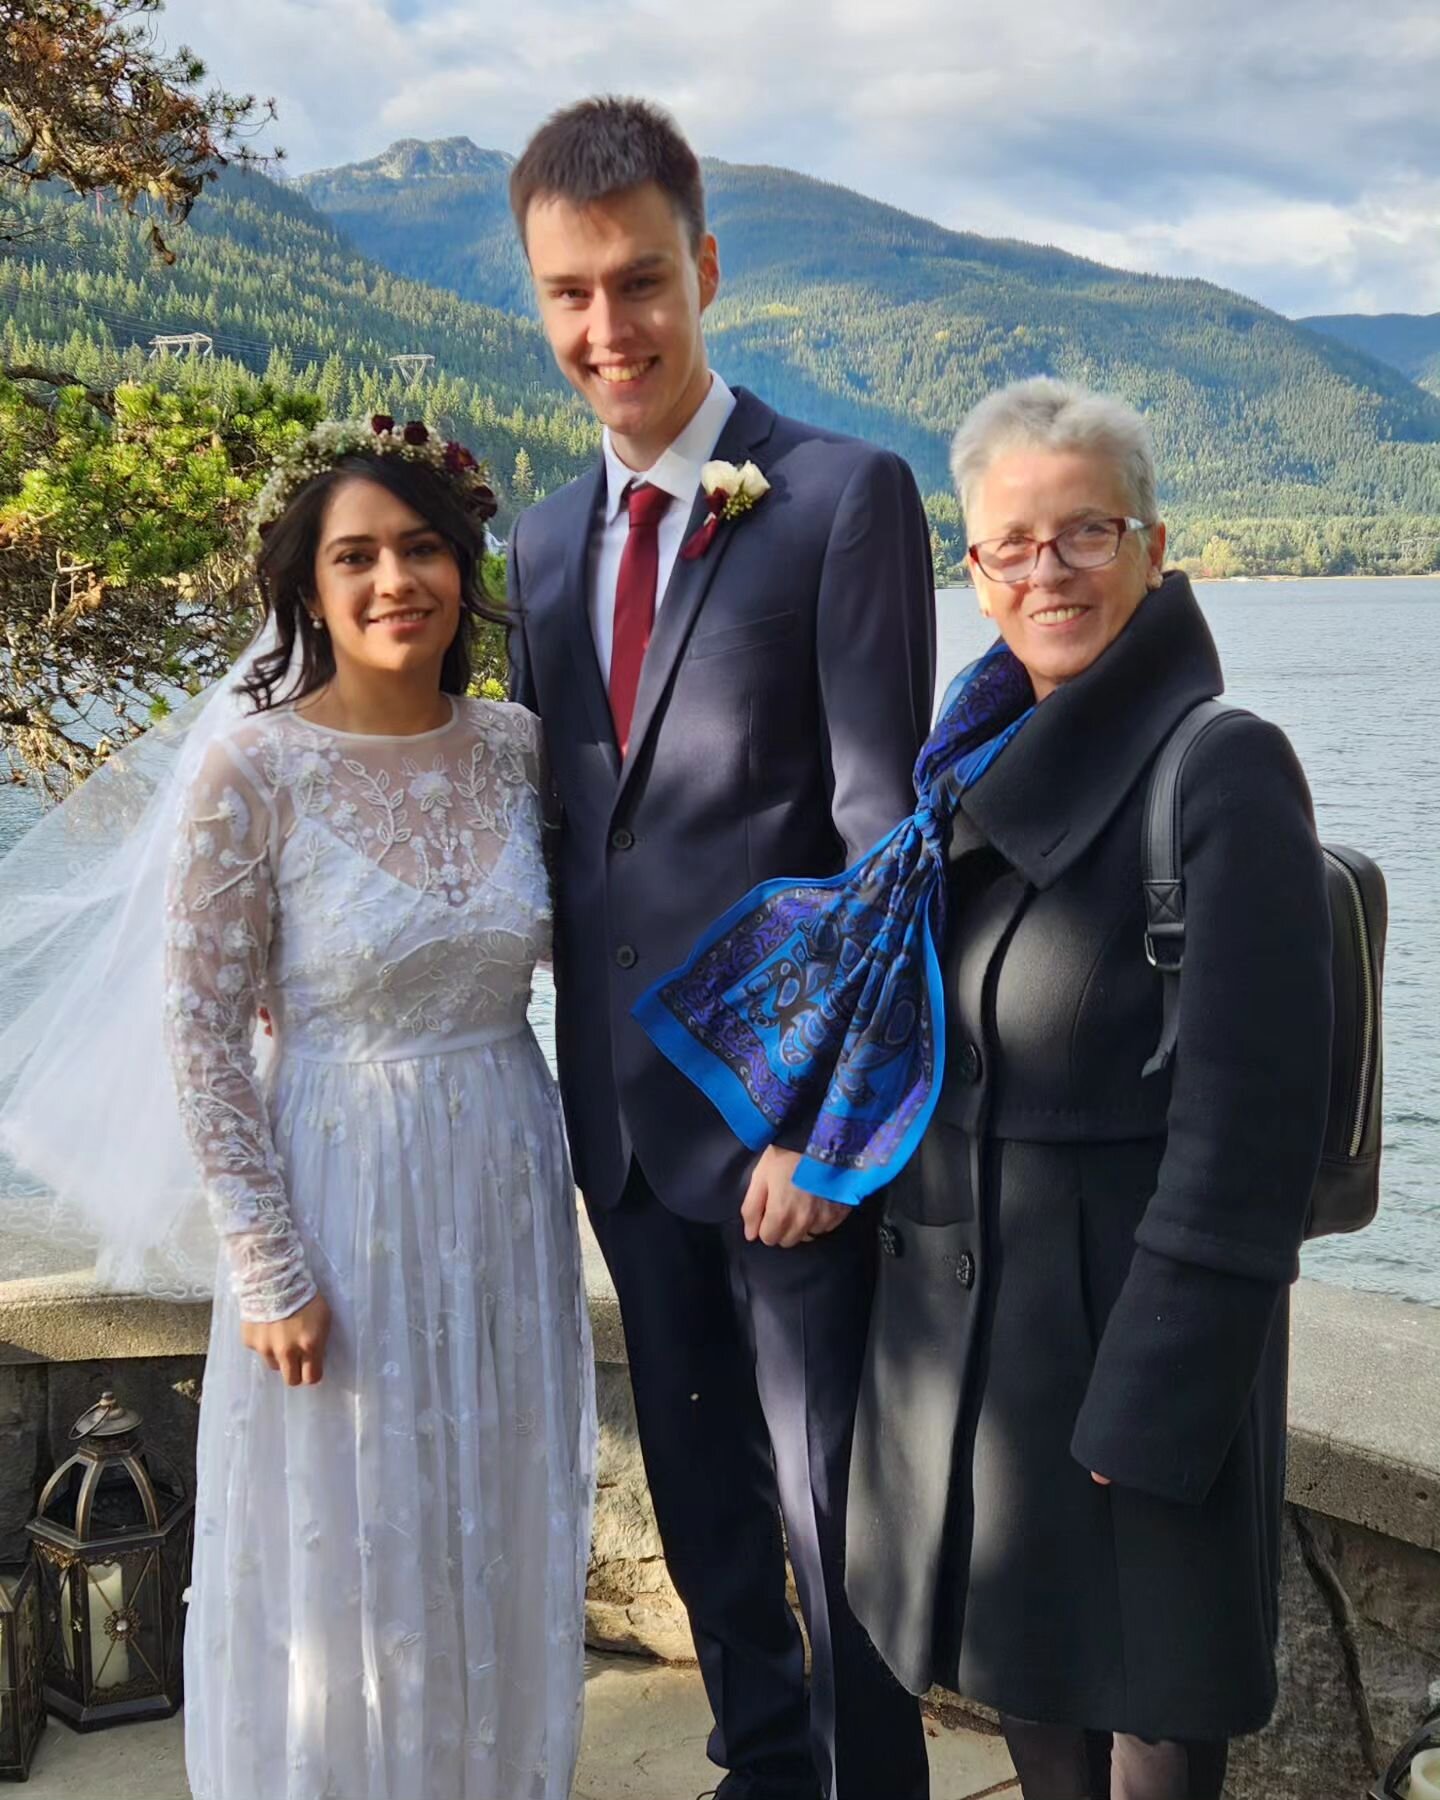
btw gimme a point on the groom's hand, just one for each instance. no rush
(779, 1213)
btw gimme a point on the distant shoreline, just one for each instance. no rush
(1216, 580)
(963, 587)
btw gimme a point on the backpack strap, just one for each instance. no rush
(1160, 871)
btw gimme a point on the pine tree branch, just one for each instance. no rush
(100, 398)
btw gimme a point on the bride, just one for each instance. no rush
(395, 1455)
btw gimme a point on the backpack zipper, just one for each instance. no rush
(1367, 977)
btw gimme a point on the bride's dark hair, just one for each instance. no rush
(285, 570)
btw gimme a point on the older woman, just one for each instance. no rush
(1068, 1469)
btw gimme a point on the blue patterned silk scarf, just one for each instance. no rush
(813, 1011)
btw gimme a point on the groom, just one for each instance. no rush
(722, 704)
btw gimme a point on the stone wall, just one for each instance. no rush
(61, 1346)
(1359, 1656)
(25, 1458)
(39, 1402)
(1360, 1633)
(630, 1604)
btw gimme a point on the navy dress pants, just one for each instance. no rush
(745, 1363)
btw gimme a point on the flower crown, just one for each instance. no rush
(334, 439)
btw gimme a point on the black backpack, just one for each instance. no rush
(1347, 1187)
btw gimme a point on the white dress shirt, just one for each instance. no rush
(677, 471)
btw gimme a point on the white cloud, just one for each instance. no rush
(1377, 254)
(1288, 150)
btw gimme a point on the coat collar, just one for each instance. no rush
(1055, 788)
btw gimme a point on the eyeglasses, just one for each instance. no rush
(1087, 544)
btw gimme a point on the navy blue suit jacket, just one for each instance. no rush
(786, 691)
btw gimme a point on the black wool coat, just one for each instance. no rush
(1087, 1269)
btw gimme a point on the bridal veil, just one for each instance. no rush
(92, 1153)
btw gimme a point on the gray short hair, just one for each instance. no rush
(1045, 414)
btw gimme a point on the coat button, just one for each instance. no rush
(889, 1240)
(965, 1269)
(625, 956)
(622, 839)
(967, 1063)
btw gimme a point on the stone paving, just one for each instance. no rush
(645, 1727)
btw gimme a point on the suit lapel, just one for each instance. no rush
(745, 431)
(575, 609)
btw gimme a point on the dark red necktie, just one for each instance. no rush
(635, 603)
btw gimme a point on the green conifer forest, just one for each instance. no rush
(1281, 450)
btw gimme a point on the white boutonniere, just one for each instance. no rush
(730, 493)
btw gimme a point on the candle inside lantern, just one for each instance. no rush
(1425, 1776)
(109, 1658)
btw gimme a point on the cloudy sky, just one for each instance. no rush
(1288, 148)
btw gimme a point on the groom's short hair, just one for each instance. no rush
(606, 146)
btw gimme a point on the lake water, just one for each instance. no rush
(1351, 670)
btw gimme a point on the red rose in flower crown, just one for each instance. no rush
(415, 433)
(381, 423)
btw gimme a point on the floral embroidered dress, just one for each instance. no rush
(388, 1592)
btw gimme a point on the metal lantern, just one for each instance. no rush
(1396, 1783)
(112, 1540)
(22, 1704)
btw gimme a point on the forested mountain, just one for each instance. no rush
(279, 291)
(1280, 450)
(865, 318)
(1409, 342)
(438, 212)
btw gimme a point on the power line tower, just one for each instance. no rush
(412, 365)
(181, 343)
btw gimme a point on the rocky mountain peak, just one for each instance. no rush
(415, 160)
(412, 158)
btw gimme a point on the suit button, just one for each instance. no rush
(965, 1269)
(967, 1063)
(889, 1240)
(622, 839)
(625, 956)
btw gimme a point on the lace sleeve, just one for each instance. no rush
(541, 773)
(219, 906)
(531, 733)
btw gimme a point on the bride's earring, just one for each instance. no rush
(317, 622)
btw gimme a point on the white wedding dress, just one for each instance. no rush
(388, 1590)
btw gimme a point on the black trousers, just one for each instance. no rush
(745, 1363)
